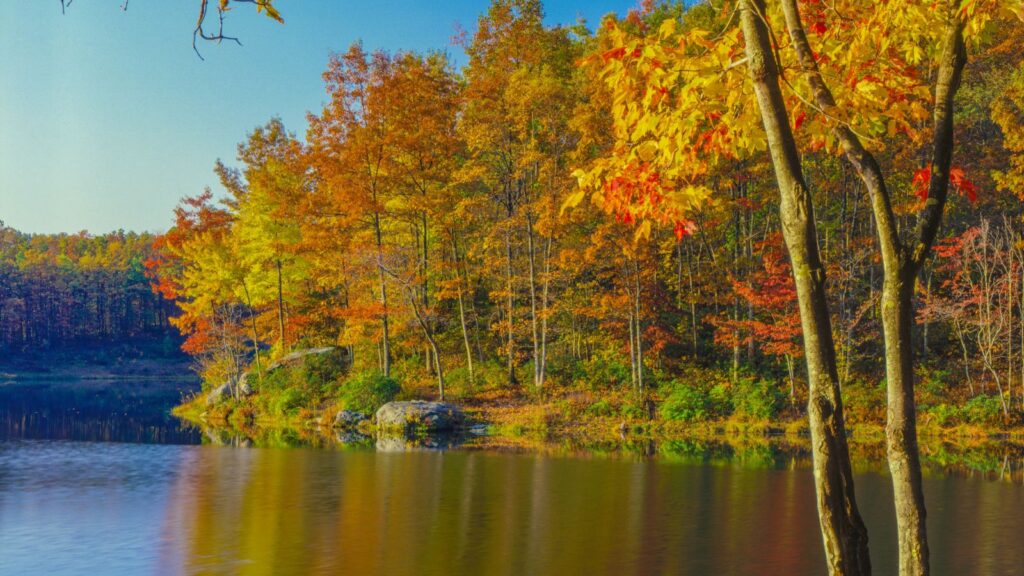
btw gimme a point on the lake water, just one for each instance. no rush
(102, 482)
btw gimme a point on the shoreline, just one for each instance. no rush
(972, 448)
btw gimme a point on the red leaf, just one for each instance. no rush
(683, 229)
(922, 177)
(799, 120)
(959, 180)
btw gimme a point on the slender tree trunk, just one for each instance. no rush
(843, 530)
(531, 267)
(385, 328)
(431, 342)
(545, 291)
(901, 265)
(632, 354)
(255, 334)
(280, 306)
(462, 312)
(901, 420)
(639, 328)
(511, 310)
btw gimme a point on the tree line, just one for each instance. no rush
(69, 289)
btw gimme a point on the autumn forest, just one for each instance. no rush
(690, 220)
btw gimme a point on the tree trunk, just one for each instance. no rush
(385, 328)
(901, 421)
(255, 334)
(901, 265)
(462, 313)
(545, 290)
(280, 306)
(511, 310)
(639, 328)
(843, 530)
(531, 268)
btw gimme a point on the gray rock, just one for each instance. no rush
(218, 394)
(298, 355)
(419, 416)
(348, 419)
(244, 388)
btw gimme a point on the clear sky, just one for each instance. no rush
(107, 118)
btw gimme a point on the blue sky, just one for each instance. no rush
(107, 118)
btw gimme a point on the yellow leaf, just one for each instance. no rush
(647, 150)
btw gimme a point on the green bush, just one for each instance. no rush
(287, 401)
(758, 399)
(315, 375)
(686, 403)
(604, 370)
(720, 400)
(633, 411)
(944, 414)
(983, 409)
(601, 408)
(367, 391)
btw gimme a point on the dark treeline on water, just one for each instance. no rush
(63, 290)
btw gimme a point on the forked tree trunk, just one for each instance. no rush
(901, 265)
(843, 531)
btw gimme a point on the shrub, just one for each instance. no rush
(287, 401)
(944, 414)
(604, 370)
(686, 403)
(983, 409)
(601, 408)
(633, 411)
(757, 398)
(367, 391)
(720, 400)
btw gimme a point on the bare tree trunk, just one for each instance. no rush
(385, 328)
(531, 267)
(255, 334)
(280, 306)
(428, 334)
(462, 312)
(843, 531)
(511, 310)
(901, 264)
(639, 328)
(544, 314)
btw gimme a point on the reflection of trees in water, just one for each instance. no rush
(302, 511)
(115, 412)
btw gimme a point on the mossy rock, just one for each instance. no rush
(419, 416)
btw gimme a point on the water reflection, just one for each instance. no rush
(94, 411)
(398, 506)
(324, 512)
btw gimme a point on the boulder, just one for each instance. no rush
(419, 416)
(218, 394)
(244, 388)
(349, 419)
(297, 356)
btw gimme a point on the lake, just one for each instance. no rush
(98, 479)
